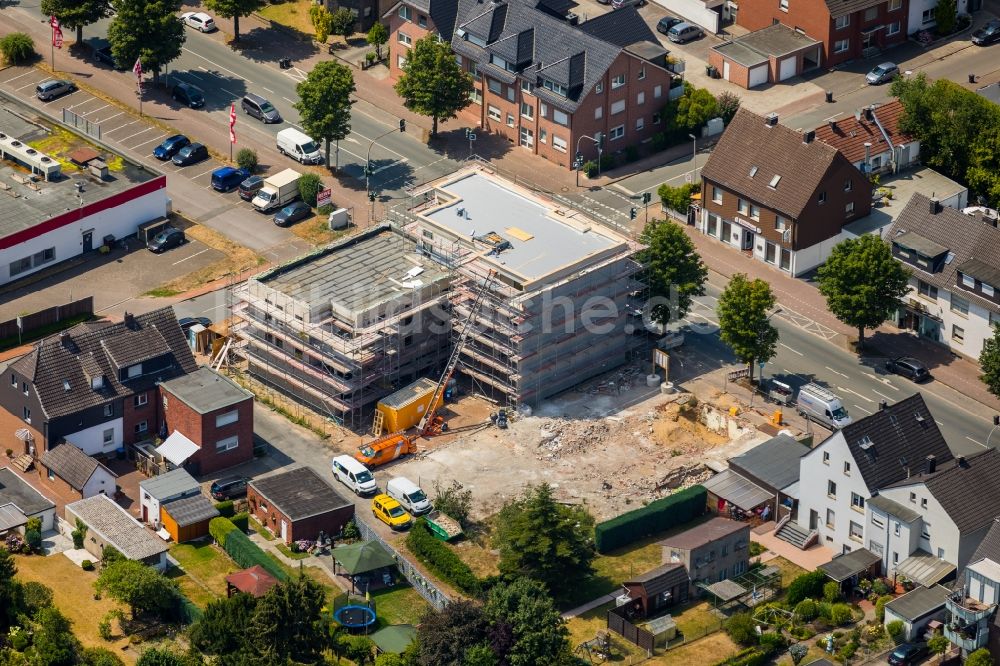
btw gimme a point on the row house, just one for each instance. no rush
(848, 29)
(779, 195)
(544, 81)
(871, 139)
(971, 610)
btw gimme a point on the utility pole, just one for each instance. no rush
(368, 164)
(598, 139)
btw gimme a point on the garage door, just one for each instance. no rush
(787, 70)
(758, 76)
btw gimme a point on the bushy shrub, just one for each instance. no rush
(590, 169)
(880, 587)
(104, 628)
(242, 521)
(220, 529)
(351, 532)
(35, 596)
(831, 592)
(741, 628)
(17, 47)
(657, 516)
(772, 642)
(807, 586)
(873, 632)
(87, 565)
(798, 652)
(226, 508)
(309, 186)
(802, 632)
(840, 614)
(246, 158)
(806, 610)
(938, 644)
(441, 559)
(749, 657)
(895, 630)
(846, 652)
(880, 607)
(980, 657)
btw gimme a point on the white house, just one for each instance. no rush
(109, 525)
(83, 474)
(158, 490)
(970, 610)
(954, 294)
(840, 474)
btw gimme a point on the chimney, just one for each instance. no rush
(869, 114)
(931, 463)
(882, 404)
(868, 153)
(771, 119)
(961, 461)
(807, 137)
(129, 320)
(935, 206)
(64, 339)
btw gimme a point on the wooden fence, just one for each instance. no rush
(620, 625)
(47, 317)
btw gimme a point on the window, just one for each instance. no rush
(656, 118)
(831, 489)
(543, 136)
(923, 502)
(657, 92)
(134, 370)
(716, 195)
(895, 528)
(109, 410)
(957, 333)
(139, 399)
(822, 198)
(560, 117)
(474, 70)
(841, 45)
(617, 107)
(913, 498)
(598, 113)
(830, 518)
(742, 206)
(927, 290)
(555, 87)
(786, 259)
(20, 266)
(543, 110)
(511, 93)
(847, 468)
(987, 289)
(856, 533)
(510, 120)
(968, 281)
(227, 444)
(527, 137)
(893, 28)
(895, 557)
(927, 16)
(24, 388)
(108, 436)
(227, 418)
(848, 185)
(857, 502)
(871, 13)
(141, 427)
(422, 21)
(500, 62)
(639, 124)
(527, 110)
(783, 5)
(493, 112)
(476, 96)
(617, 132)
(959, 305)
(618, 81)
(895, 4)
(494, 86)
(640, 98)
(642, 73)
(559, 143)
(770, 252)
(826, 457)
(877, 520)
(44, 257)
(849, 209)
(27, 414)
(926, 533)
(527, 86)
(405, 13)
(843, 21)
(754, 212)
(13, 380)
(404, 38)
(400, 61)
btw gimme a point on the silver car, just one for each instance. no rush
(883, 73)
(53, 88)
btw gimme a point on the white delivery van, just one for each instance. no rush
(354, 475)
(277, 190)
(299, 146)
(822, 405)
(409, 495)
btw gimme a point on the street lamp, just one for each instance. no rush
(996, 424)
(694, 152)
(368, 161)
(598, 139)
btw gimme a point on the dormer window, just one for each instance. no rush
(475, 40)
(500, 62)
(134, 370)
(97, 383)
(968, 281)
(557, 88)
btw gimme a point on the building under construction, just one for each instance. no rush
(346, 325)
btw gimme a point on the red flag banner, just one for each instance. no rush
(232, 123)
(57, 38)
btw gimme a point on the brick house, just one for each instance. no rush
(871, 139)
(779, 195)
(848, 29)
(76, 474)
(713, 551)
(772, 54)
(298, 504)
(542, 80)
(215, 414)
(93, 385)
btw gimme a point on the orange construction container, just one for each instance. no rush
(384, 449)
(403, 409)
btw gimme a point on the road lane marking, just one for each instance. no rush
(230, 92)
(111, 117)
(122, 140)
(198, 55)
(290, 102)
(194, 74)
(15, 78)
(866, 411)
(33, 83)
(796, 351)
(140, 145)
(939, 423)
(836, 372)
(192, 256)
(975, 441)
(100, 108)
(881, 394)
(863, 397)
(86, 101)
(206, 172)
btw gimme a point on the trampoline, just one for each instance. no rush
(354, 617)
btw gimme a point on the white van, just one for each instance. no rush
(299, 146)
(409, 495)
(354, 475)
(822, 405)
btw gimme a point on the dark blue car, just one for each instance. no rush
(228, 178)
(170, 147)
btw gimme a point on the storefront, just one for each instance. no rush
(914, 316)
(747, 237)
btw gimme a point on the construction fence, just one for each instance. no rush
(428, 590)
(25, 325)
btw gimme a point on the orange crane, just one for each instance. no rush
(430, 424)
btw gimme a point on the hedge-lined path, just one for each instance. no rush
(590, 605)
(324, 563)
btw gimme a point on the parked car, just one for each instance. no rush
(259, 108)
(908, 654)
(188, 322)
(104, 56)
(188, 95)
(170, 147)
(248, 188)
(620, 4)
(908, 367)
(988, 34)
(165, 240)
(199, 21)
(228, 178)
(229, 487)
(49, 90)
(684, 32)
(292, 213)
(390, 512)
(190, 154)
(883, 73)
(354, 475)
(666, 23)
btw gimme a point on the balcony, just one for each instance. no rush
(967, 622)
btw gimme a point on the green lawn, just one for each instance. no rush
(696, 619)
(261, 530)
(399, 605)
(206, 563)
(789, 570)
(287, 552)
(293, 14)
(199, 595)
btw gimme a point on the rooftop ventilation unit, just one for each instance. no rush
(39, 163)
(866, 443)
(771, 119)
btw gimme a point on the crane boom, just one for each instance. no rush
(427, 422)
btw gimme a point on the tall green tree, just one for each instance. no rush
(377, 36)
(539, 633)
(141, 588)
(288, 624)
(433, 83)
(945, 16)
(673, 270)
(342, 22)
(147, 30)
(234, 9)
(695, 107)
(862, 283)
(744, 320)
(444, 637)
(989, 361)
(983, 174)
(980, 657)
(11, 596)
(541, 539)
(322, 21)
(222, 627)
(75, 14)
(54, 643)
(324, 104)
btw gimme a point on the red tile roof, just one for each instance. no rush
(849, 135)
(253, 581)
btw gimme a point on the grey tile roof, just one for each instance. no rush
(707, 532)
(843, 7)
(918, 602)
(968, 488)
(661, 578)
(175, 483)
(904, 432)
(300, 493)
(191, 510)
(844, 566)
(989, 547)
(11, 517)
(775, 462)
(71, 464)
(738, 490)
(966, 236)
(622, 27)
(894, 508)
(81, 353)
(15, 490)
(775, 151)
(206, 391)
(117, 527)
(758, 46)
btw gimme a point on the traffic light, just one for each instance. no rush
(600, 140)
(647, 197)
(402, 125)
(632, 213)
(371, 196)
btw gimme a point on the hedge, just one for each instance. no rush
(441, 559)
(240, 548)
(655, 517)
(749, 657)
(220, 528)
(226, 508)
(242, 521)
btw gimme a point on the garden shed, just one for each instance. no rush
(394, 638)
(363, 562)
(916, 609)
(187, 518)
(848, 568)
(254, 581)
(658, 588)
(159, 490)
(19, 502)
